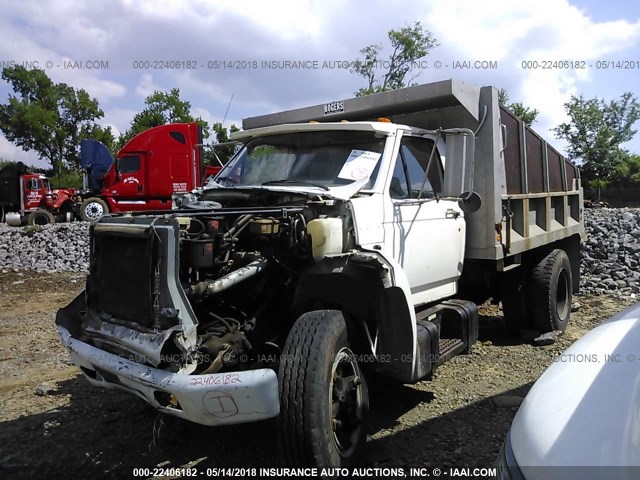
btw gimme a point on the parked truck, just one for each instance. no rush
(147, 171)
(27, 197)
(344, 243)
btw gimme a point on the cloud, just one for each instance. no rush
(253, 34)
(544, 31)
(146, 86)
(119, 119)
(11, 152)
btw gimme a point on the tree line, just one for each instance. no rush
(51, 118)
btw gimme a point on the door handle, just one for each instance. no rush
(451, 213)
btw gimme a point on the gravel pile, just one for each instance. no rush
(611, 253)
(610, 256)
(61, 247)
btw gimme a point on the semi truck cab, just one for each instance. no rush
(146, 172)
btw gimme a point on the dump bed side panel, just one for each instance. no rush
(543, 198)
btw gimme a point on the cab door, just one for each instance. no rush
(425, 234)
(131, 182)
(33, 192)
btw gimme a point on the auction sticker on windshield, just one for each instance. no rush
(359, 165)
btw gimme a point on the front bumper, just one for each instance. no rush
(216, 399)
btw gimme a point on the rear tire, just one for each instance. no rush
(92, 209)
(40, 217)
(550, 292)
(323, 395)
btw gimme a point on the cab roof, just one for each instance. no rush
(380, 127)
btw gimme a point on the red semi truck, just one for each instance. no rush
(28, 197)
(147, 171)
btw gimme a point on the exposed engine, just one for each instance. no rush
(229, 303)
(239, 270)
(263, 253)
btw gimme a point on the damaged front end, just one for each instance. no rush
(189, 310)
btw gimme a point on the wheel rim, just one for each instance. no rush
(94, 210)
(347, 402)
(562, 295)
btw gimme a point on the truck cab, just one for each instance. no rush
(147, 171)
(28, 197)
(397, 210)
(36, 187)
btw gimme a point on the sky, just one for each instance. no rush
(120, 51)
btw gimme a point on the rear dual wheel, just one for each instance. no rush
(539, 298)
(550, 292)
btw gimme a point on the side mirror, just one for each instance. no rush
(458, 169)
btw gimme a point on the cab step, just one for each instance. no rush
(444, 331)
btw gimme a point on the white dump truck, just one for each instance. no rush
(344, 242)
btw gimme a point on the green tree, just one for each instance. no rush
(627, 173)
(46, 117)
(221, 154)
(66, 179)
(526, 114)
(409, 44)
(595, 132)
(162, 108)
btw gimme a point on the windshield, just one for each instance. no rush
(322, 159)
(47, 184)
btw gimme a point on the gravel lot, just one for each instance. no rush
(459, 419)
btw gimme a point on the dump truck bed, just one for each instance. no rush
(531, 195)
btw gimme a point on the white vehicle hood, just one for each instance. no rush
(585, 409)
(343, 192)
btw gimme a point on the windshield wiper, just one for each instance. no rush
(290, 181)
(229, 180)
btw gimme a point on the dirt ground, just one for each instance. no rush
(75, 429)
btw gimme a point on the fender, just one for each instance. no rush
(366, 286)
(60, 197)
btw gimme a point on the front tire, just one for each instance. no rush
(40, 217)
(551, 292)
(323, 395)
(92, 209)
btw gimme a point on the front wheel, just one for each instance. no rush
(40, 217)
(92, 209)
(323, 394)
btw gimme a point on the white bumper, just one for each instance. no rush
(216, 399)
